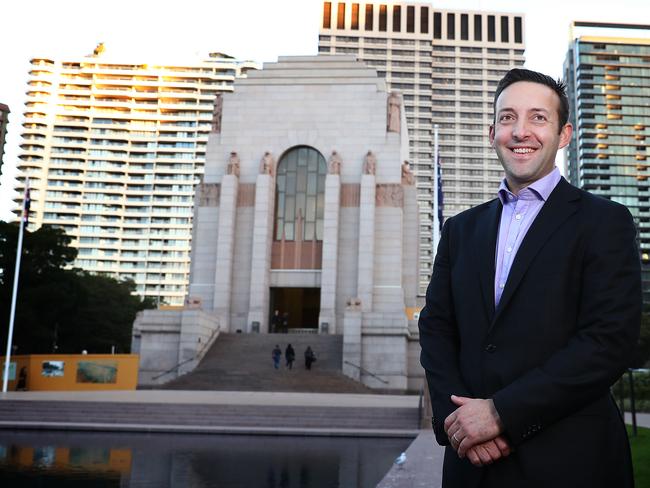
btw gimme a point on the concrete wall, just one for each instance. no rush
(165, 338)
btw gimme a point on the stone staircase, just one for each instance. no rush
(242, 362)
(207, 418)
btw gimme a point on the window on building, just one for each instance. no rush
(340, 17)
(504, 29)
(355, 17)
(410, 19)
(464, 27)
(491, 29)
(383, 14)
(451, 26)
(437, 25)
(327, 15)
(397, 18)
(300, 195)
(368, 19)
(478, 28)
(518, 32)
(424, 20)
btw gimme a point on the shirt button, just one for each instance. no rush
(490, 348)
(509, 249)
(502, 285)
(518, 216)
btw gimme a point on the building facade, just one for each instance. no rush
(112, 149)
(447, 65)
(307, 206)
(606, 70)
(4, 121)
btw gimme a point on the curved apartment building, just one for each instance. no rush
(113, 149)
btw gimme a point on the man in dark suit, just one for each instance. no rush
(532, 312)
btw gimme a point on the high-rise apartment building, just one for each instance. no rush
(112, 149)
(607, 69)
(4, 120)
(447, 65)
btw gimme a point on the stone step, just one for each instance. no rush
(242, 362)
(262, 416)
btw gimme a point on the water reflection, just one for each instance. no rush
(61, 459)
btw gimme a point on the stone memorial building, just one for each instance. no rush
(308, 207)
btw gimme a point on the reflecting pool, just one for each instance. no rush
(119, 460)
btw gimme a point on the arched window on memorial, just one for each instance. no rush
(299, 208)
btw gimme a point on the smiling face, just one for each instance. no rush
(526, 134)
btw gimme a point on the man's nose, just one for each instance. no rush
(520, 129)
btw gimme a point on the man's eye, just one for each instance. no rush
(505, 118)
(539, 118)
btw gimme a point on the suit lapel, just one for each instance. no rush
(486, 242)
(559, 206)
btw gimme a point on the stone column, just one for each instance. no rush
(352, 339)
(387, 287)
(225, 248)
(258, 310)
(366, 254)
(330, 252)
(410, 251)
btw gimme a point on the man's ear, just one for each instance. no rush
(491, 134)
(565, 135)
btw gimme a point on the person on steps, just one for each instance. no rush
(310, 357)
(276, 355)
(290, 356)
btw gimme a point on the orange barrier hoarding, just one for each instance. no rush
(73, 372)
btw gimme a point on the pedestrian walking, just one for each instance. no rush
(310, 357)
(290, 356)
(276, 322)
(276, 354)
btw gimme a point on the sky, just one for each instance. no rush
(257, 30)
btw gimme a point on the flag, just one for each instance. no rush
(439, 190)
(26, 204)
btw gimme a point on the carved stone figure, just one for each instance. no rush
(407, 175)
(393, 116)
(233, 165)
(369, 164)
(353, 304)
(335, 163)
(209, 194)
(267, 165)
(217, 113)
(389, 195)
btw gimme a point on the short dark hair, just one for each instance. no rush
(520, 74)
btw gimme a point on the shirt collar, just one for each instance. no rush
(542, 188)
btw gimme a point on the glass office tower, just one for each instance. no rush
(607, 70)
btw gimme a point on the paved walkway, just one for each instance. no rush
(422, 468)
(642, 419)
(220, 398)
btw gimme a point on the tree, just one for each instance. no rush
(60, 309)
(642, 353)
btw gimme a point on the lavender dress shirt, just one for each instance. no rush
(518, 214)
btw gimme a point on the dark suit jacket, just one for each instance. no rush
(564, 331)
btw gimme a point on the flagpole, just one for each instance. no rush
(12, 316)
(436, 191)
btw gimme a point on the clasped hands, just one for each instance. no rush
(475, 430)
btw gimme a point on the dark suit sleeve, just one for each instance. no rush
(439, 339)
(606, 331)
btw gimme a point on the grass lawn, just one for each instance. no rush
(641, 456)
